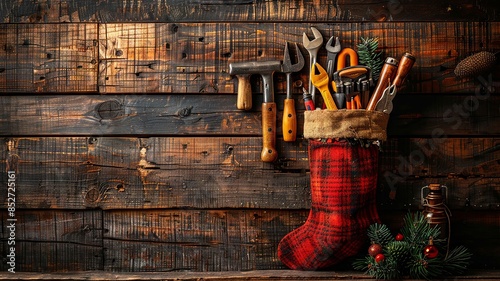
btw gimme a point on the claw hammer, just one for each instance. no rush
(266, 69)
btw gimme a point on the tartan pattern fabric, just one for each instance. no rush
(343, 182)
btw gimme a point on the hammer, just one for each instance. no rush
(243, 70)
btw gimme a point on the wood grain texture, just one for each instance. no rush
(194, 58)
(243, 10)
(431, 115)
(48, 58)
(257, 275)
(173, 241)
(208, 173)
(199, 240)
(55, 240)
(120, 120)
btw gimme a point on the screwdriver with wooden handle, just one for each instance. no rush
(405, 64)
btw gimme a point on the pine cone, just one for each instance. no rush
(475, 64)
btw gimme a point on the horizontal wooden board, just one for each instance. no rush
(48, 58)
(195, 57)
(256, 275)
(201, 240)
(53, 240)
(174, 240)
(117, 173)
(427, 115)
(243, 10)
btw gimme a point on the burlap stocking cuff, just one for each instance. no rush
(359, 124)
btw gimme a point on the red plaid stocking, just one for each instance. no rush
(343, 186)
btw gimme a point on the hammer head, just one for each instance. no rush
(254, 67)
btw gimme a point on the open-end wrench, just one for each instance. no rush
(333, 50)
(312, 47)
(289, 114)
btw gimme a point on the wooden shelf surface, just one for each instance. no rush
(228, 275)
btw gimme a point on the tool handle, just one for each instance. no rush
(327, 98)
(386, 75)
(269, 153)
(405, 64)
(289, 121)
(341, 58)
(244, 99)
(308, 102)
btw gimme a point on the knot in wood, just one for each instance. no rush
(184, 112)
(109, 109)
(92, 196)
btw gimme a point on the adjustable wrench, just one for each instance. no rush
(312, 47)
(332, 50)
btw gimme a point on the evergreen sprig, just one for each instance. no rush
(406, 257)
(380, 234)
(369, 55)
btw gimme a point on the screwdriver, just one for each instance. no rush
(308, 102)
(405, 64)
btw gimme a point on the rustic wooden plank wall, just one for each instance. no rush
(120, 120)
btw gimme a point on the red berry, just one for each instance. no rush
(374, 250)
(379, 258)
(399, 237)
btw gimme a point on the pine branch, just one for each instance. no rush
(422, 268)
(457, 261)
(407, 258)
(380, 234)
(417, 230)
(369, 56)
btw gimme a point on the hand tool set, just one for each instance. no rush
(243, 71)
(343, 146)
(345, 84)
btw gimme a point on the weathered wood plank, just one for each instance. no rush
(54, 240)
(203, 172)
(189, 240)
(48, 58)
(194, 58)
(243, 10)
(178, 115)
(201, 240)
(256, 275)
(228, 240)
(134, 173)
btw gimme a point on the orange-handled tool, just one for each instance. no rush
(405, 64)
(342, 58)
(289, 125)
(269, 152)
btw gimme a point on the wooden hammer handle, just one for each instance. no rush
(244, 99)
(269, 153)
